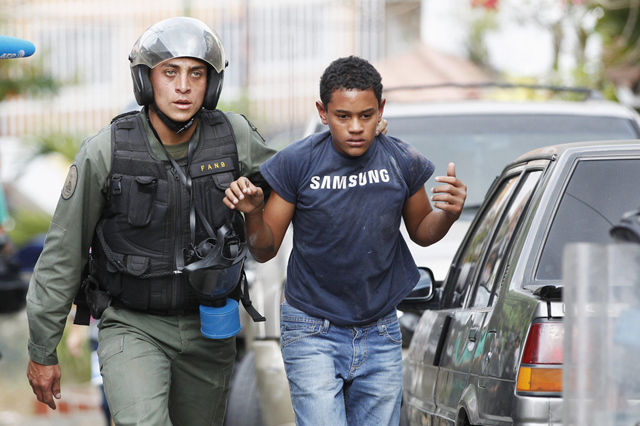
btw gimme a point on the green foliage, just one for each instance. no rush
(25, 77)
(620, 30)
(28, 224)
(239, 105)
(483, 22)
(65, 144)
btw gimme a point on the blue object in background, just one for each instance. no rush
(12, 47)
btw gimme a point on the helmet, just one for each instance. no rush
(219, 262)
(176, 38)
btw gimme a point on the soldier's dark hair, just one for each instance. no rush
(350, 73)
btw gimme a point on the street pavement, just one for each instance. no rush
(80, 403)
(78, 407)
(88, 418)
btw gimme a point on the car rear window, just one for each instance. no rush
(598, 194)
(481, 145)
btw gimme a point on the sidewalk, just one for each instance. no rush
(70, 419)
(80, 403)
(79, 407)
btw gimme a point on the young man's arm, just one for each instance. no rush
(265, 225)
(427, 226)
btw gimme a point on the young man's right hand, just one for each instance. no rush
(244, 196)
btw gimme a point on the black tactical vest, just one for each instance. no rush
(145, 226)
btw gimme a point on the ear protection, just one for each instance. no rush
(214, 88)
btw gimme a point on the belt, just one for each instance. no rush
(159, 312)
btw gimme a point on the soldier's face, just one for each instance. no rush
(179, 86)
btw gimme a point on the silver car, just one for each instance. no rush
(488, 350)
(480, 137)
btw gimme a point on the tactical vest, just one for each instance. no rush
(145, 227)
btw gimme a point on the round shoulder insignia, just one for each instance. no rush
(70, 183)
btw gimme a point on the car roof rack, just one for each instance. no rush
(590, 93)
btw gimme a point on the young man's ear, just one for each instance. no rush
(322, 112)
(381, 108)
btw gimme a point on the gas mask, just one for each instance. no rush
(215, 269)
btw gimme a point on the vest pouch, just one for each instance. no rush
(223, 180)
(97, 300)
(208, 193)
(133, 265)
(142, 198)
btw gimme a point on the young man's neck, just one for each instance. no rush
(168, 136)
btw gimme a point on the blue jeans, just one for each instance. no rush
(342, 375)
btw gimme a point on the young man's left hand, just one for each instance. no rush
(244, 196)
(450, 196)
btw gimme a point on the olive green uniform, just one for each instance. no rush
(180, 376)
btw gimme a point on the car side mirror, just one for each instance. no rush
(424, 288)
(422, 294)
(628, 229)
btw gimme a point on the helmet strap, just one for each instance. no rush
(175, 126)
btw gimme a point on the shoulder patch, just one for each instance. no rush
(70, 183)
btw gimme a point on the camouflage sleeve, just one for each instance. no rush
(57, 274)
(252, 149)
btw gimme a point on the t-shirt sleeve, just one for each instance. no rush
(415, 167)
(283, 171)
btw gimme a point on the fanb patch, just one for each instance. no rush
(70, 183)
(211, 167)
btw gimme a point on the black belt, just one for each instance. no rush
(159, 312)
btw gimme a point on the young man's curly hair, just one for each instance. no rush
(349, 73)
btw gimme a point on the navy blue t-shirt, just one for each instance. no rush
(349, 263)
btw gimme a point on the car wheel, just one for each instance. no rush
(463, 420)
(243, 406)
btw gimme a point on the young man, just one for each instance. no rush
(346, 191)
(129, 199)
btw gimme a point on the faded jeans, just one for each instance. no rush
(342, 376)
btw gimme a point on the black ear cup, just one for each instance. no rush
(142, 88)
(214, 88)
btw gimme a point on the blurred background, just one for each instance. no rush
(78, 79)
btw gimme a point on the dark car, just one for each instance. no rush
(489, 348)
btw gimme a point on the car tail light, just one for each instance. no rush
(541, 366)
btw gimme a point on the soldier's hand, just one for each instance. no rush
(381, 127)
(45, 382)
